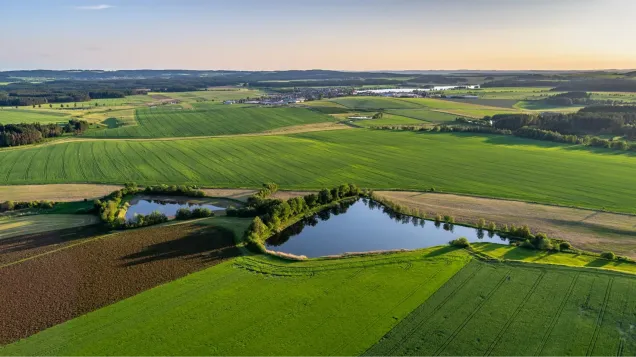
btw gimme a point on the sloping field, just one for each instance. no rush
(81, 278)
(337, 307)
(585, 229)
(488, 165)
(517, 310)
(16, 116)
(446, 106)
(13, 226)
(213, 120)
(56, 193)
(389, 119)
(425, 115)
(372, 103)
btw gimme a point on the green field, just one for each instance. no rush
(488, 165)
(520, 310)
(16, 116)
(373, 103)
(333, 307)
(213, 94)
(173, 121)
(425, 114)
(389, 119)
(451, 107)
(21, 225)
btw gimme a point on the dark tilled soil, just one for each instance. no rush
(46, 290)
(16, 248)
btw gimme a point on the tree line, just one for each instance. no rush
(271, 215)
(25, 134)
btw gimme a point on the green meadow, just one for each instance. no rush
(425, 115)
(486, 165)
(258, 306)
(518, 310)
(389, 119)
(174, 121)
(16, 116)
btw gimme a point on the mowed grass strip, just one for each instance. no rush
(80, 278)
(13, 226)
(207, 120)
(17, 116)
(493, 309)
(487, 165)
(335, 307)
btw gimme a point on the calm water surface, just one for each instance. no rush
(165, 205)
(364, 226)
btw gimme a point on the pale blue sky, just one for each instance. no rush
(329, 34)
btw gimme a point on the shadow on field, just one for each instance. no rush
(440, 251)
(596, 228)
(598, 263)
(40, 241)
(207, 245)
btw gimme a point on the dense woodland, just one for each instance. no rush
(25, 134)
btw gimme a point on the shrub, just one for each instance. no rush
(202, 212)
(542, 242)
(460, 242)
(526, 244)
(565, 246)
(608, 255)
(481, 223)
(438, 218)
(449, 219)
(183, 213)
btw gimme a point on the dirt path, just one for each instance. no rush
(585, 229)
(82, 278)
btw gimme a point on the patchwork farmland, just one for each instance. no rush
(209, 120)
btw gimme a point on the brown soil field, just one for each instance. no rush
(24, 246)
(55, 192)
(236, 194)
(585, 229)
(285, 195)
(48, 289)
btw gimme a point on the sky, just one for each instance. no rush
(318, 34)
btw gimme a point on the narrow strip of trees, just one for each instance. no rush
(25, 134)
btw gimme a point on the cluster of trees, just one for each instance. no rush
(179, 190)
(199, 212)
(272, 214)
(142, 220)
(25, 134)
(13, 205)
(111, 210)
(34, 97)
(569, 98)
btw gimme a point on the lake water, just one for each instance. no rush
(365, 225)
(166, 205)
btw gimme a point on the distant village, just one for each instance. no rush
(301, 95)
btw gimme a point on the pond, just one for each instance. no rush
(365, 225)
(170, 205)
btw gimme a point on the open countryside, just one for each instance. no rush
(389, 204)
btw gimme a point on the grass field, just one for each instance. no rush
(425, 114)
(337, 307)
(518, 310)
(373, 103)
(389, 119)
(488, 165)
(210, 120)
(588, 230)
(214, 94)
(558, 258)
(22, 225)
(16, 116)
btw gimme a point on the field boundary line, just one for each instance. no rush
(512, 318)
(57, 250)
(555, 319)
(409, 295)
(437, 308)
(472, 314)
(599, 319)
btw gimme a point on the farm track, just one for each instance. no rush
(85, 277)
(599, 320)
